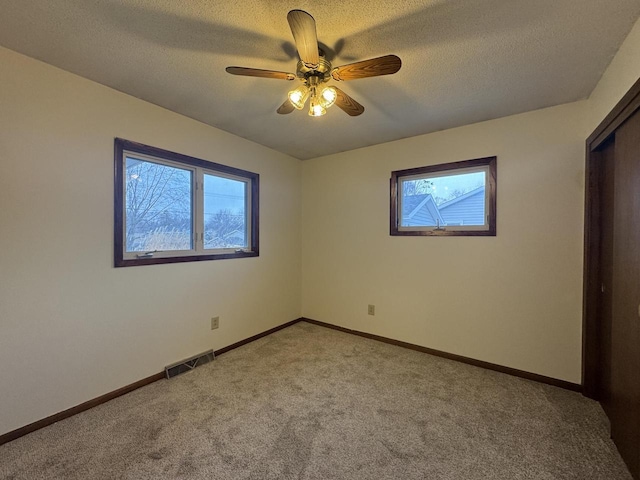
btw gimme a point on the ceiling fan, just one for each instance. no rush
(314, 70)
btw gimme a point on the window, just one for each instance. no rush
(449, 199)
(175, 208)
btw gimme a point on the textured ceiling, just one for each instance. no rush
(464, 61)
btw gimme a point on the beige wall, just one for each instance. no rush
(72, 327)
(621, 74)
(513, 299)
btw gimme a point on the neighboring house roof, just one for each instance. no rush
(422, 211)
(461, 197)
(467, 209)
(410, 202)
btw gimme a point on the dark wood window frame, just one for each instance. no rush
(491, 187)
(253, 179)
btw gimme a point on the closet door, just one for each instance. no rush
(606, 164)
(625, 331)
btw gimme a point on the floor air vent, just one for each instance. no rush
(189, 364)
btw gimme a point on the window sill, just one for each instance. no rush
(135, 262)
(443, 233)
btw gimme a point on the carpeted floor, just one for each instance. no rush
(312, 403)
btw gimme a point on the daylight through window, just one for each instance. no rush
(174, 208)
(450, 199)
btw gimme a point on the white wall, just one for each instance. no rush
(72, 327)
(514, 299)
(622, 73)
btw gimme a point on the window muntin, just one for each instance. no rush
(175, 208)
(450, 199)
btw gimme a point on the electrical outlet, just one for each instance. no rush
(371, 310)
(215, 322)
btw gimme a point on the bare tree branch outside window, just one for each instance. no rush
(158, 204)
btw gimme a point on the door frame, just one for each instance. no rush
(591, 349)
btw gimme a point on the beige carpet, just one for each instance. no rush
(312, 403)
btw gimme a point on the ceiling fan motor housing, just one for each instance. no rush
(322, 71)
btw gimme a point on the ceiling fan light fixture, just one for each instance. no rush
(328, 96)
(298, 97)
(316, 109)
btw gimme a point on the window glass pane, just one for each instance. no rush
(225, 216)
(444, 200)
(159, 210)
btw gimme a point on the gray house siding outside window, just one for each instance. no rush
(467, 209)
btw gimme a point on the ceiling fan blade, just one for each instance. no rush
(303, 27)
(348, 104)
(286, 107)
(368, 68)
(256, 72)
